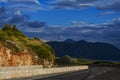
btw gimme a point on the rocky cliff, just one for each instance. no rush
(8, 58)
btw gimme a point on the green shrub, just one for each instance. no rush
(43, 51)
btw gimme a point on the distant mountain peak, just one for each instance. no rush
(82, 41)
(69, 40)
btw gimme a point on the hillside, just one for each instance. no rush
(14, 43)
(84, 49)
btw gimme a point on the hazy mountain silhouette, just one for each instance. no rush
(84, 49)
(69, 40)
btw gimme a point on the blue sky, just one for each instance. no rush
(55, 17)
(91, 20)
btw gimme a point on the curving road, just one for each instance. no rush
(95, 73)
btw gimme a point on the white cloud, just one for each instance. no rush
(15, 5)
(3, 0)
(106, 13)
(18, 13)
(22, 1)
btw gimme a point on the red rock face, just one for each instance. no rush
(8, 58)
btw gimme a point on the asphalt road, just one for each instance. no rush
(96, 73)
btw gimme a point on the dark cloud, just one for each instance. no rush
(114, 6)
(114, 25)
(22, 7)
(12, 10)
(21, 20)
(36, 24)
(72, 4)
(86, 1)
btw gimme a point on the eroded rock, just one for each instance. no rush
(8, 58)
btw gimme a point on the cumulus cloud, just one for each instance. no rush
(13, 13)
(22, 21)
(18, 19)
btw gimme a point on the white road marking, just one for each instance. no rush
(91, 77)
(99, 73)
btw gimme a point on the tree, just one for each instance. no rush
(3, 35)
(36, 38)
(15, 28)
(6, 27)
(65, 60)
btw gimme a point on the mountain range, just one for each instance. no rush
(84, 49)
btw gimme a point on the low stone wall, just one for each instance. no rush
(27, 72)
(4, 69)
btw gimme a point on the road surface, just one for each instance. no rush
(95, 73)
